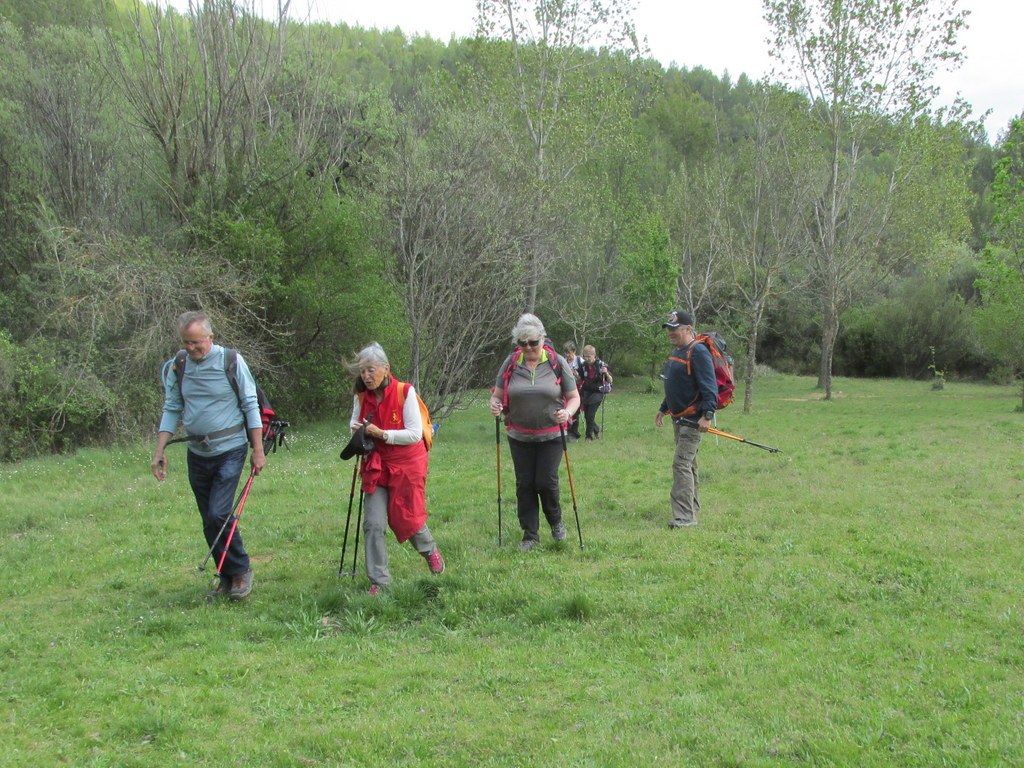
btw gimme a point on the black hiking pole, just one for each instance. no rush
(234, 517)
(572, 488)
(348, 517)
(497, 444)
(202, 566)
(359, 524)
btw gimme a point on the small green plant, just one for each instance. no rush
(938, 377)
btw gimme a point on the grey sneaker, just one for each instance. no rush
(241, 585)
(558, 532)
(682, 523)
(527, 544)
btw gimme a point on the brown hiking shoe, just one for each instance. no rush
(241, 585)
(219, 588)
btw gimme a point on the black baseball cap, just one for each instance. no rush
(677, 318)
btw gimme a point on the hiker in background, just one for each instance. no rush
(595, 381)
(689, 376)
(220, 425)
(536, 390)
(394, 474)
(572, 431)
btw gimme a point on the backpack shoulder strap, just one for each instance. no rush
(178, 366)
(553, 361)
(231, 370)
(510, 366)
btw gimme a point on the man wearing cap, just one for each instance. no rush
(691, 396)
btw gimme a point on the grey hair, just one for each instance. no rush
(372, 354)
(188, 319)
(528, 325)
(569, 346)
(589, 350)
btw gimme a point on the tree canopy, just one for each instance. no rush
(318, 186)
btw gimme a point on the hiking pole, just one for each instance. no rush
(202, 565)
(348, 517)
(497, 444)
(768, 448)
(234, 517)
(714, 431)
(572, 488)
(359, 524)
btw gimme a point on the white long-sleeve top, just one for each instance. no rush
(410, 415)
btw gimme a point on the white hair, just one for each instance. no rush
(528, 326)
(372, 354)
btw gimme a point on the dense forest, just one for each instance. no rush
(316, 186)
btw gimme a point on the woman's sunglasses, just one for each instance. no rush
(530, 343)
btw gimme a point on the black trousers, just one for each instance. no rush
(536, 466)
(591, 403)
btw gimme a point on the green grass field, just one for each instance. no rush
(856, 600)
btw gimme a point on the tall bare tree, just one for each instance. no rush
(452, 234)
(563, 87)
(213, 91)
(767, 185)
(866, 65)
(68, 107)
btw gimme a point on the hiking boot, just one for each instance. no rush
(241, 585)
(527, 544)
(436, 562)
(558, 532)
(219, 588)
(682, 523)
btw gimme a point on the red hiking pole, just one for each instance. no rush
(202, 565)
(234, 519)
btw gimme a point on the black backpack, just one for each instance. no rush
(273, 428)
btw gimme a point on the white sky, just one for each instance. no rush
(728, 35)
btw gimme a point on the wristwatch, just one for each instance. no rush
(709, 415)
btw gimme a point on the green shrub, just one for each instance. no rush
(48, 405)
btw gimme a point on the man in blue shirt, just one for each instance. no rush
(691, 397)
(220, 425)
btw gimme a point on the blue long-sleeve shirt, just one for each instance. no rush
(207, 402)
(684, 387)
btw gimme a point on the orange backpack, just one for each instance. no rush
(428, 427)
(723, 371)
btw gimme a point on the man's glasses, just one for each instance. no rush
(528, 343)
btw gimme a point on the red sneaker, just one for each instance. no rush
(436, 562)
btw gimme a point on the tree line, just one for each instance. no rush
(315, 186)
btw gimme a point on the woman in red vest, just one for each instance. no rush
(394, 474)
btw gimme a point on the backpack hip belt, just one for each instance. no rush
(204, 440)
